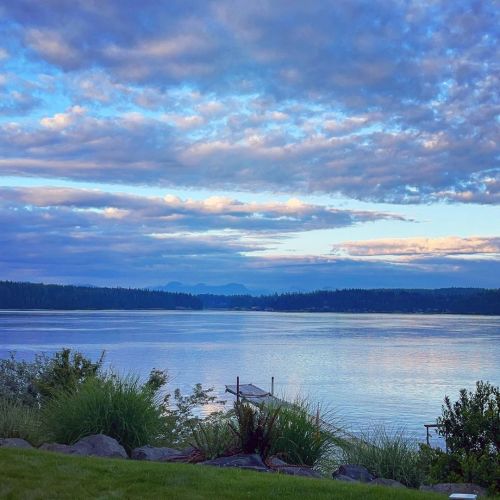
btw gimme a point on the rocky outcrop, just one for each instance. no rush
(97, 445)
(449, 488)
(153, 454)
(353, 472)
(242, 461)
(14, 443)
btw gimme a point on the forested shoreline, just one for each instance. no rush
(16, 295)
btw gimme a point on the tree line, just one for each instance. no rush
(439, 301)
(14, 295)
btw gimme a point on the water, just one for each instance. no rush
(392, 369)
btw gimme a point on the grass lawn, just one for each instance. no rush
(30, 474)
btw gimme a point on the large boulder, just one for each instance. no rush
(97, 445)
(242, 461)
(382, 481)
(14, 443)
(356, 472)
(156, 454)
(449, 488)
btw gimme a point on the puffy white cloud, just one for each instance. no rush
(421, 247)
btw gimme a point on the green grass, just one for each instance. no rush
(33, 474)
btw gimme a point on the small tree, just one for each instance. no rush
(472, 424)
(66, 371)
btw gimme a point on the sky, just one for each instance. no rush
(281, 144)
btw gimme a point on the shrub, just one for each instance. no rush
(255, 427)
(472, 424)
(183, 414)
(65, 371)
(118, 407)
(214, 437)
(388, 454)
(30, 382)
(19, 421)
(18, 379)
(299, 439)
(471, 427)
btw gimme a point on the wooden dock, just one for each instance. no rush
(257, 396)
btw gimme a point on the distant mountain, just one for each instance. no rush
(204, 289)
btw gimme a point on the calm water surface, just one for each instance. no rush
(368, 368)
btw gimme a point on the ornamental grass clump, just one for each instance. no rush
(255, 428)
(299, 437)
(19, 421)
(214, 438)
(386, 453)
(119, 407)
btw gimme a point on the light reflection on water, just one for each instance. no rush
(368, 368)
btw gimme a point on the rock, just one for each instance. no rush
(356, 472)
(347, 479)
(282, 467)
(14, 443)
(382, 481)
(62, 448)
(275, 462)
(242, 461)
(155, 454)
(449, 488)
(97, 445)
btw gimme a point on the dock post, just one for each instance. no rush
(272, 386)
(238, 390)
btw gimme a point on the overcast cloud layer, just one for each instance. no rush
(371, 101)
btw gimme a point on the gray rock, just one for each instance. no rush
(14, 443)
(155, 454)
(282, 467)
(347, 479)
(242, 461)
(449, 488)
(99, 445)
(276, 462)
(356, 472)
(382, 481)
(63, 448)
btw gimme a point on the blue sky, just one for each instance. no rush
(279, 144)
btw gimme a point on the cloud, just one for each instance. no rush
(146, 215)
(379, 101)
(421, 247)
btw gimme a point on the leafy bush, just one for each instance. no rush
(19, 421)
(30, 382)
(471, 427)
(18, 379)
(118, 407)
(65, 371)
(214, 437)
(299, 439)
(255, 427)
(183, 414)
(389, 454)
(472, 424)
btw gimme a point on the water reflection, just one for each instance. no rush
(388, 368)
